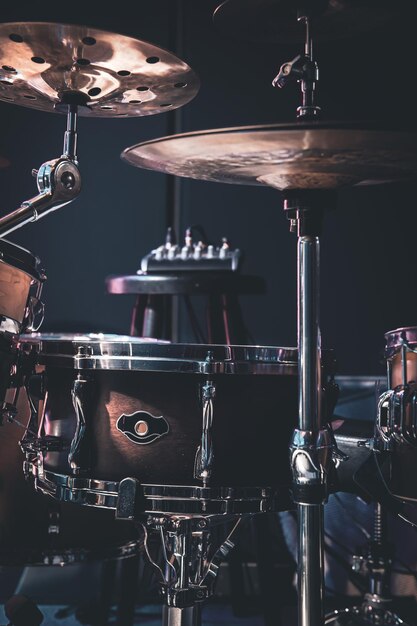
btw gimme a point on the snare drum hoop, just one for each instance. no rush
(21, 259)
(400, 341)
(118, 352)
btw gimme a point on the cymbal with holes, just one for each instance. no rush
(275, 21)
(315, 155)
(44, 64)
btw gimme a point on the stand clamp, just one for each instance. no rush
(58, 181)
(303, 69)
(308, 469)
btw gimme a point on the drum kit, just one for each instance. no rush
(134, 435)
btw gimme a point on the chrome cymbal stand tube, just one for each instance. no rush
(58, 181)
(311, 446)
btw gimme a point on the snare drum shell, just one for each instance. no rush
(34, 528)
(254, 416)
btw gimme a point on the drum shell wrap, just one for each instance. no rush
(253, 419)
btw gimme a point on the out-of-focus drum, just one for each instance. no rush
(201, 428)
(21, 279)
(37, 530)
(396, 428)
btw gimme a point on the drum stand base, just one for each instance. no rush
(192, 550)
(377, 606)
(373, 610)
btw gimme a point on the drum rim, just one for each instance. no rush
(394, 339)
(121, 352)
(21, 259)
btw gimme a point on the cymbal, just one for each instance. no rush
(275, 21)
(43, 64)
(313, 155)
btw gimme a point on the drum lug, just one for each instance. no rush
(80, 454)
(35, 391)
(204, 457)
(35, 313)
(396, 418)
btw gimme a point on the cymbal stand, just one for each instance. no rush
(311, 446)
(58, 181)
(192, 560)
(310, 449)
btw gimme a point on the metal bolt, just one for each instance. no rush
(68, 180)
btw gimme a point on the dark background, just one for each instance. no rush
(368, 245)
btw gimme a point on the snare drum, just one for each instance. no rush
(200, 428)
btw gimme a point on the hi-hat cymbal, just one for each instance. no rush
(43, 64)
(275, 21)
(285, 156)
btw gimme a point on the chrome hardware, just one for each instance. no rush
(160, 500)
(204, 455)
(192, 563)
(212, 567)
(115, 352)
(396, 420)
(58, 181)
(47, 443)
(311, 458)
(79, 456)
(337, 455)
(31, 432)
(34, 315)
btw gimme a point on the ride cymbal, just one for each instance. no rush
(313, 155)
(275, 21)
(44, 64)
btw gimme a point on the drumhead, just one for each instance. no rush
(396, 338)
(120, 352)
(21, 259)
